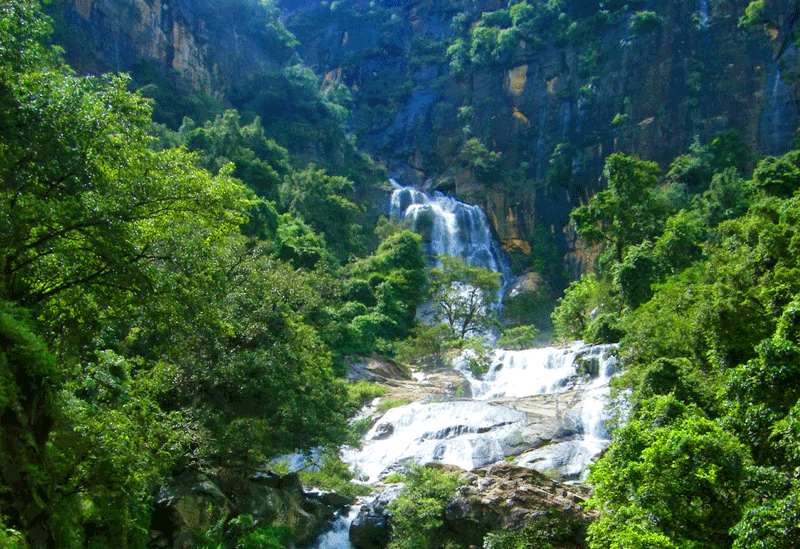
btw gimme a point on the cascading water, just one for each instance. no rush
(526, 397)
(704, 18)
(338, 537)
(551, 400)
(449, 227)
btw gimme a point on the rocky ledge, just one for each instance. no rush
(503, 497)
(198, 500)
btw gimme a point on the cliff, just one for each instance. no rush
(552, 113)
(201, 45)
(523, 132)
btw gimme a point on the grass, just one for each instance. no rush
(389, 404)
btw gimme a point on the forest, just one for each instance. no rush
(184, 281)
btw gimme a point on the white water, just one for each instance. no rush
(338, 536)
(703, 12)
(501, 419)
(464, 433)
(449, 227)
(474, 432)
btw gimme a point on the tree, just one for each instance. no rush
(668, 453)
(28, 381)
(323, 201)
(418, 511)
(170, 328)
(260, 163)
(627, 212)
(463, 297)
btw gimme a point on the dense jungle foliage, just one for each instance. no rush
(698, 281)
(167, 297)
(165, 263)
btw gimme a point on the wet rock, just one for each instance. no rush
(383, 431)
(372, 527)
(193, 502)
(505, 496)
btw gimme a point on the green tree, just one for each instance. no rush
(627, 212)
(324, 202)
(519, 337)
(28, 382)
(778, 176)
(396, 274)
(259, 162)
(481, 160)
(419, 509)
(463, 297)
(668, 453)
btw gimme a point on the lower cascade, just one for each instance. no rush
(545, 406)
(543, 409)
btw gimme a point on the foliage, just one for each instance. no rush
(426, 345)
(419, 509)
(28, 376)
(777, 176)
(260, 163)
(646, 264)
(627, 212)
(484, 162)
(391, 284)
(753, 14)
(244, 532)
(324, 202)
(773, 525)
(175, 333)
(550, 529)
(387, 405)
(644, 22)
(519, 337)
(666, 453)
(328, 472)
(362, 393)
(579, 307)
(261, 537)
(462, 297)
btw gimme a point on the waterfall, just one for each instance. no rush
(704, 15)
(450, 227)
(527, 397)
(543, 408)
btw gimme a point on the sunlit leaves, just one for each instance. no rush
(669, 453)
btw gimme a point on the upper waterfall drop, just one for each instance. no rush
(450, 227)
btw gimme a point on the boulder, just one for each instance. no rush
(372, 527)
(504, 497)
(377, 370)
(196, 501)
(527, 300)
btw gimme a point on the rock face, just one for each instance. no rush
(196, 501)
(205, 45)
(553, 114)
(500, 498)
(506, 497)
(372, 528)
(377, 370)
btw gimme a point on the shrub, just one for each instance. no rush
(644, 22)
(419, 509)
